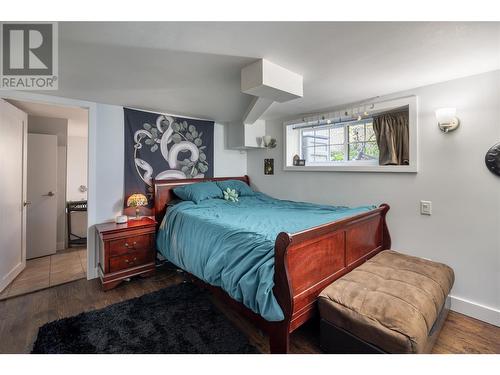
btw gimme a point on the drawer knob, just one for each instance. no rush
(126, 244)
(135, 243)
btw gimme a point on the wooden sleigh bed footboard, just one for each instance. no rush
(308, 261)
(305, 262)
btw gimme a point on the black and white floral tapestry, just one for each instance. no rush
(165, 147)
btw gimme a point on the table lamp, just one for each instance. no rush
(137, 200)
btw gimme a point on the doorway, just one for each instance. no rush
(55, 204)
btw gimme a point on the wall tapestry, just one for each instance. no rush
(165, 147)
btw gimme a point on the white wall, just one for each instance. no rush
(49, 125)
(227, 162)
(464, 230)
(76, 168)
(61, 197)
(110, 159)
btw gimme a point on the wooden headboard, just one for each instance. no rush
(163, 191)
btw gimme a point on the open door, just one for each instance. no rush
(13, 140)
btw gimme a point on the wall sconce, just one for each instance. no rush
(269, 142)
(447, 119)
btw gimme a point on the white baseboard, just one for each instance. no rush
(10, 276)
(92, 273)
(475, 310)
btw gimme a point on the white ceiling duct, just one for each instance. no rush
(269, 83)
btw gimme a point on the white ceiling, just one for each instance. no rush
(193, 69)
(77, 117)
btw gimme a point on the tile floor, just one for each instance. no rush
(40, 273)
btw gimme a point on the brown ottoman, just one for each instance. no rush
(393, 303)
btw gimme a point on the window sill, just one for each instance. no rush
(354, 168)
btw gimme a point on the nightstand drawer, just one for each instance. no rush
(129, 244)
(130, 260)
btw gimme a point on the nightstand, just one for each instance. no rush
(126, 250)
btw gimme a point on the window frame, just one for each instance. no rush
(365, 165)
(345, 144)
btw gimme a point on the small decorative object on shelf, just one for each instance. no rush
(137, 200)
(269, 142)
(298, 162)
(268, 166)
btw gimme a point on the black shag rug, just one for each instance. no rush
(177, 319)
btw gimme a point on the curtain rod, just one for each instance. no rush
(360, 107)
(332, 123)
(326, 118)
(395, 110)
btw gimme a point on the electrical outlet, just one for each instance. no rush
(425, 208)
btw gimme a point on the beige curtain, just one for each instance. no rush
(392, 133)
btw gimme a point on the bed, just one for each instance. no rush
(269, 259)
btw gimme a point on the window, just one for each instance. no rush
(345, 142)
(344, 139)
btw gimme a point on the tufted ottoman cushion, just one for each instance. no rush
(392, 301)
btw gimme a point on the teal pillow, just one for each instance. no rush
(241, 188)
(198, 192)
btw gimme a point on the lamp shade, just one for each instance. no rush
(267, 140)
(447, 120)
(137, 200)
(445, 115)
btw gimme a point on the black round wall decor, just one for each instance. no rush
(492, 159)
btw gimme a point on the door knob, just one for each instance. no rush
(49, 194)
(26, 203)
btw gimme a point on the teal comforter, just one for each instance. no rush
(231, 244)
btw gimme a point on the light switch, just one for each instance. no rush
(425, 208)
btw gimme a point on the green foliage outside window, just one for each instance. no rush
(358, 144)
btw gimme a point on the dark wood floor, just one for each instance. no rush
(20, 317)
